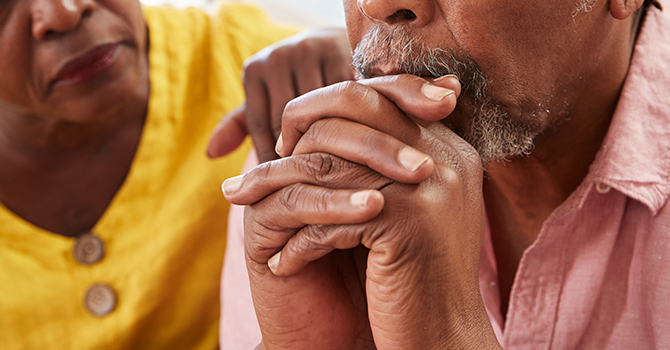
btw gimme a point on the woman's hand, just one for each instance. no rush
(301, 63)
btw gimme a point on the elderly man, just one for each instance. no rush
(381, 229)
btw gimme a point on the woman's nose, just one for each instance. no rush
(52, 17)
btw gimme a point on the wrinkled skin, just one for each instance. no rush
(552, 69)
(402, 226)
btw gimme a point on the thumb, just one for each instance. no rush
(229, 133)
(428, 99)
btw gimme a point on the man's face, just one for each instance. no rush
(69, 60)
(520, 62)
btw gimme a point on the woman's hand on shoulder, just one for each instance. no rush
(275, 75)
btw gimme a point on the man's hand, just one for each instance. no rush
(415, 284)
(275, 75)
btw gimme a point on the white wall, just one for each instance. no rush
(308, 13)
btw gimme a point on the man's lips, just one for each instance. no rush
(87, 65)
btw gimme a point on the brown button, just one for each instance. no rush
(100, 300)
(89, 249)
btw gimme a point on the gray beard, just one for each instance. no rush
(490, 130)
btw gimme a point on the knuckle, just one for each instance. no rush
(253, 249)
(261, 172)
(298, 245)
(307, 244)
(316, 235)
(289, 108)
(322, 203)
(258, 236)
(472, 160)
(465, 160)
(451, 175)
(321, 132)
(312, 136)
(290, 196)
(320, 166)
(324, 168)
(350, 90)
(304, 48)
(291, 114)
(251, 65)
(279, 55)
(458, 181)
(332, 49)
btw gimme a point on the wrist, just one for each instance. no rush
(469, 326)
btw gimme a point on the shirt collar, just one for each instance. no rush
(635, 156)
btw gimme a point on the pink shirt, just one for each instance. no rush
(239, 328)
(598, 276)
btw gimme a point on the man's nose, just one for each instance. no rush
(414, 12)
(53, 17)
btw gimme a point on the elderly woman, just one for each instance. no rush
(112, 226)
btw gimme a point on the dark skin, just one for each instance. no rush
(66, 190)
(575, 74)
(325, 306)
(520, 195)
(518, 203)
(312, 59)
(68, 136)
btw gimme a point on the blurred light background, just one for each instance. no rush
(307, 13)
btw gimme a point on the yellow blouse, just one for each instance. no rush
(157, 284)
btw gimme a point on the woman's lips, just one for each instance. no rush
(88, 65)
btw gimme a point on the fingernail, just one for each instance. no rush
(360, 199)
(411, 159)
(274, 262)
(279, 146)
(448, 76)
(435, 93)
(231, 185)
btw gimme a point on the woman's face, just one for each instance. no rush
(70, 60)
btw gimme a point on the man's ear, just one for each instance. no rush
(621, 9)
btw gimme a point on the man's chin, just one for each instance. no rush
(490, 129)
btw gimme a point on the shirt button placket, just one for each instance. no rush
(100, 299)
(89, 249)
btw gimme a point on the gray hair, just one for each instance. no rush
(490, 130)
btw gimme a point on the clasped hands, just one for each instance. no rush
(367, 233)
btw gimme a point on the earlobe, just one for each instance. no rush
(622, 9)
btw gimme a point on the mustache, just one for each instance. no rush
(490, 130)
(397, 51)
